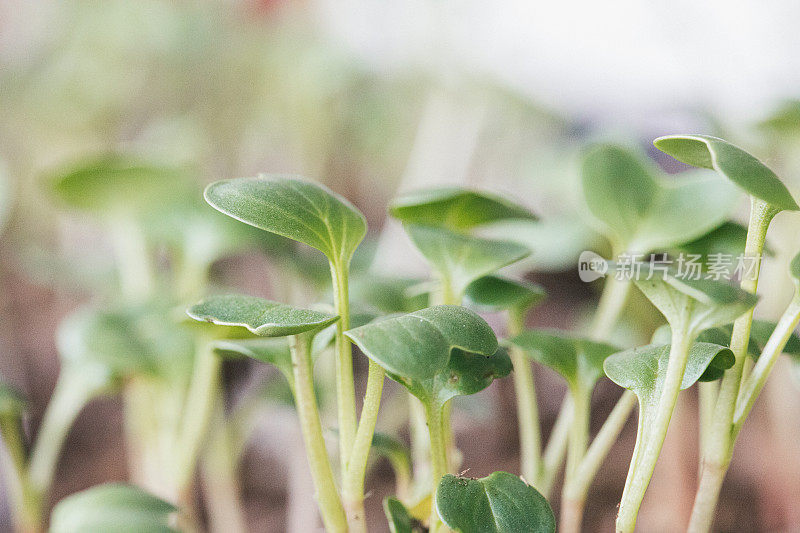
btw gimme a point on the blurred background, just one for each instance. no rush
(375, 98)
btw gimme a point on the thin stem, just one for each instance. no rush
(609, 308)
(433, 414)
(26, 502)
(345, 388)
(656, 431)
(353, 483)
(769, 356)
(420, 445)
(530, 440)
(556, 448)
(133, 260)
(572, 508)
(449, 296)
(71, 394)
(330, 505)
(721, 437)
(197, 412)
(707, 396)
(578, 486)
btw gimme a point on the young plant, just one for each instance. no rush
(642, 211)
(580, 363)
(436, 353)
(494, 293)
(271, 319)
(768, 197)
(690, 306)
(313, 215)
(112, 507)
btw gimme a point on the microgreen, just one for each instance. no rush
(498, 503)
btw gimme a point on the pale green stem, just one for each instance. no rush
(345, 388)
(656, 431)
(353, 483)
(219, 472)
(530, 440)
(26, 502)
(707, 396)
(69, 397)
(578, 486)
(572, 509)
(612, 302)
(556, 448)
(433, 413)
(721, 437)
(420, 445)
(769, 356)
(133, 259)
(330, 505)
(197, 412)
(448, 296)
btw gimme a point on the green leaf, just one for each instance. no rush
(644, 369)
(395, 451)
(461, 259)
(720, 335)
(294, 208)
(495, 293)
(577, 360)
(500, 502)
(263, 317)
(273, 351)
(387, 294)
(12, 403)
(400, 521)
(556, 242)
(760, 332)
(455, 208)
(727, 239)
(794, 270)
(785, 120)
(112, 508)
(114, 183)
(702, 303)
(437, 353)
(731, 162)
(642, 209)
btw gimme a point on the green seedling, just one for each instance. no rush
(498, 503)
(580, 363)
(271, 319)
(436, 353)
(641, 211)
(112, 507)
(690, 306)
(768, 197)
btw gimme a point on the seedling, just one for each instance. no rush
(437, 353)
(768, 197)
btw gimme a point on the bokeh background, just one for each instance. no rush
(374, 98)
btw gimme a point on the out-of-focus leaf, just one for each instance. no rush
(263, 317)
(400, 521)
(461, 259)
(642, 210)
(495, 293)
(274, 351)
(12, 403)
(455, 208)
(498, 503)
(732, 162)
(112, 508)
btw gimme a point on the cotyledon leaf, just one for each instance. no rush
(498, 503)
(644, 369)
(437, 353)
(274, 351)
(642, 209)
(112, 508)
(263, 317)
(732, 162)
(579, 361)
(294, 208)
(455, 208)
(460, 259)
(399, 519)
(495, 293)
(12, 403)
(705, 303)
